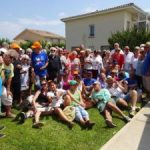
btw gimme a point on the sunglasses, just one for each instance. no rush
(43, 84)
(52, 50)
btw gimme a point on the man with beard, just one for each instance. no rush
(54, 65)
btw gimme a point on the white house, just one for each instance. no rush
(93, 29)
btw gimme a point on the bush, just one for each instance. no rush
(131, 38)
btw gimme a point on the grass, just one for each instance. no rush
(56, 136)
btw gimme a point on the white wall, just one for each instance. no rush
(77, 31)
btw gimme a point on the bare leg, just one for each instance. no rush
(134, 97)
(37, 116)
(61, 114)
(115, 108)
(122, 102)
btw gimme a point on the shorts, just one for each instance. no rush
(127, 97)
(6, 100)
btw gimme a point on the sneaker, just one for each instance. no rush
(110, 124)
(132, 113)
(127, 119)
(90, 124)
(2, 135)
(22, 116)
(2, 127)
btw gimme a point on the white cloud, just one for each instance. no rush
(38, 22)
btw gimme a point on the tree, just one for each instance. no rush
(132, 38)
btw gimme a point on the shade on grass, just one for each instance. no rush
(56, 136)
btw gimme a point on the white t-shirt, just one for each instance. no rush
(88, 63)
(63, 61)
(97, 63)
(57, 99)
(134, 62)
(25, 77)
(128, 59)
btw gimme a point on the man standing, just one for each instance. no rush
(54, 65)
(39, 61)
(146, 69)
(127, 58)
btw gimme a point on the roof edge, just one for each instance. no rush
(108, 10)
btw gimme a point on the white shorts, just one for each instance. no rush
(44, 109)
(6, 100)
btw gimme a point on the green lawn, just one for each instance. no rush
(56, 135)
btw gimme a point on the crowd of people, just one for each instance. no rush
(66, 83)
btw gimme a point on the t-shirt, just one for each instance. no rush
(38, 61)
(88, 62)
(131, 82)
(97, 63)
(134, 62)
(57, 97)
(88, 82)
(128, 57)
(119, 58)
(25, 77)
(8, 71)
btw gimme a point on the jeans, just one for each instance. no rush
(81, 113)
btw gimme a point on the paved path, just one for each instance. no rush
(135, 135)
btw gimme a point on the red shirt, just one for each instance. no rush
(119, 58)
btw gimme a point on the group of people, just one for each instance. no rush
(67, 83)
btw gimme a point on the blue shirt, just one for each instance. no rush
(88, 82)
(146, 65)
(38, 61)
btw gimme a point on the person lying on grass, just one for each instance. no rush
(105, 104)
(74, 97)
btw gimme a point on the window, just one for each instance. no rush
(92, 30)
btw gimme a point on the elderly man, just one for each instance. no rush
(39, 61)
(146, 69)
(54, 65)
(127, 58)
(116, 47)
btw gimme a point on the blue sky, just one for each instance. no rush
(16, 15)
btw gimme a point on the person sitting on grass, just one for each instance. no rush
(74, 97)
(121, 95)
(41, 104)
(105, 104)
(57, 97)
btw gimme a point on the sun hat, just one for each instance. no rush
(73, 82)
(36, 45)
(14, 46)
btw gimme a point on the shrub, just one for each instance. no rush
(132, 38)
